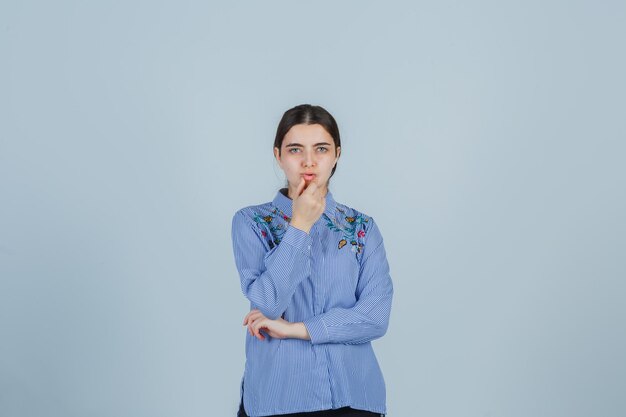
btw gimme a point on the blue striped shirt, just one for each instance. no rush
(335, 279)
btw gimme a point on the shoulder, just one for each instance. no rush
(351, 211)
(359, 223)
(352, 216)
(355, 229)
(268, 222)
(251, 212)
(260, 215)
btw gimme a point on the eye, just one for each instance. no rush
(322, 149)
(294, 150)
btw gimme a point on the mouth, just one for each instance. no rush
(308, 177)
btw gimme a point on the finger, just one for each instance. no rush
(311, 189)
(256, 329)
(255, 316)
(261, 324)
(301, 186)
(253, 332)
(247, 318)
(320, 193)
(251, 328)
(251, 317)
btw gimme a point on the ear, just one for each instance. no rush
(338, 153)
(277, 156)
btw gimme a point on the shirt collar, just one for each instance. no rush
(284, 203)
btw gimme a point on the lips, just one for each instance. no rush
(308, 177)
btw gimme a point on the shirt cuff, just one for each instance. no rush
(297, 238)
(317, 330)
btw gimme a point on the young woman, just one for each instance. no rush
(316, 274)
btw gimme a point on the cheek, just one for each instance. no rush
(329, 161)
(290, 164)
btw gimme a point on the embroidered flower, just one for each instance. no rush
(352, 230)
(273, 224)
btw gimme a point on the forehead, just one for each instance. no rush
(307, 134)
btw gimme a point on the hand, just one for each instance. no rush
(308, 206)
(256, 321)
(279, 328)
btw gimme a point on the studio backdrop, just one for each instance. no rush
(487, 140)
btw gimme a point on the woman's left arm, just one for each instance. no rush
(367, 320)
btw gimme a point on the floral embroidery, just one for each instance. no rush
(349, 231)
(352, 228)
(276, 229)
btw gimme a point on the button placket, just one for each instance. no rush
(318, 289)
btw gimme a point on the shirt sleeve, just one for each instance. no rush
(368, 319)
(269, 277)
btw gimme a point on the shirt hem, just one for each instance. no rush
(373, 409)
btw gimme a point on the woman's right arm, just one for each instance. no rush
(269, 278)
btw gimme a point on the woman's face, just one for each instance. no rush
(307, 151)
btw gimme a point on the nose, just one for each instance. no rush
(308, 159)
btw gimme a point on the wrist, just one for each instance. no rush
(299, 331)
(300, 225)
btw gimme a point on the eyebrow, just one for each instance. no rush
(293, 145)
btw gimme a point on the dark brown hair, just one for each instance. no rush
(309, 115)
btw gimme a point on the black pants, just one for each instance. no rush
(338, 412)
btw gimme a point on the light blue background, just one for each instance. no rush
(486, 138)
